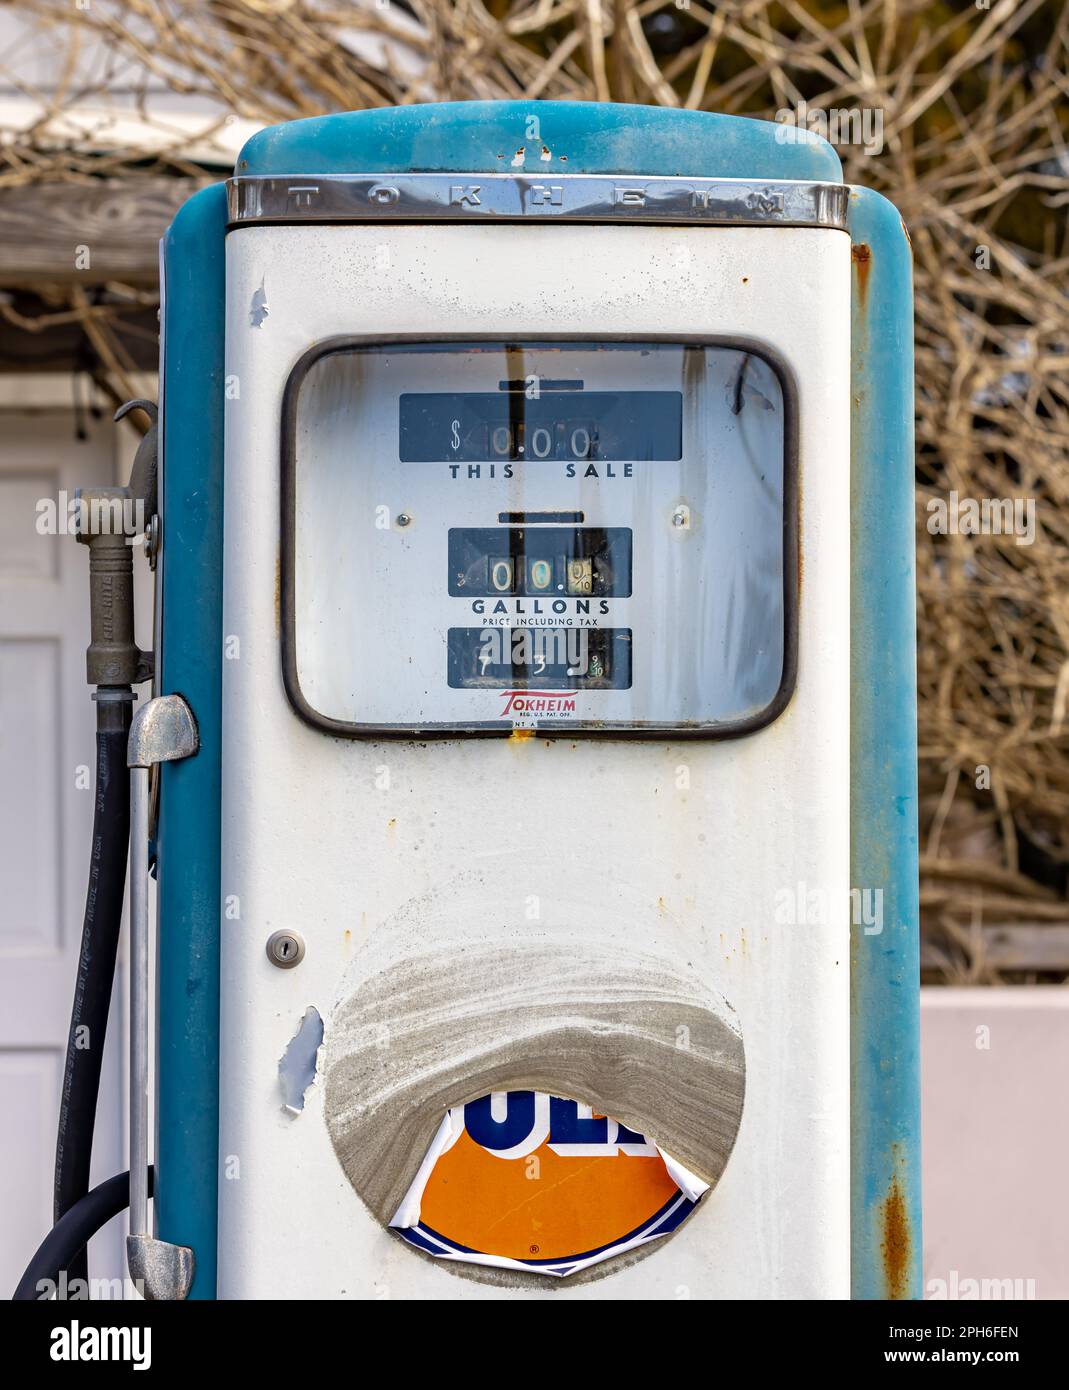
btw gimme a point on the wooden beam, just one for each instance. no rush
(1023, 946)
(87, 232)
(1027, 946)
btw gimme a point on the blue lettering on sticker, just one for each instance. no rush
(565, 1126)
(501, 1134)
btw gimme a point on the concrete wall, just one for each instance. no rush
(996, 1142)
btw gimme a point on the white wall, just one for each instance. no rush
(995, 1139)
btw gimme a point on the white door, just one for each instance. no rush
(47, 768)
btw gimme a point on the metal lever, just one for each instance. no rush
(163, 731)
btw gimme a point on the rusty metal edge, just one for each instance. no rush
(885, 967)
(191, 656)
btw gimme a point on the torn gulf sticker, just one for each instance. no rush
(524, 1180)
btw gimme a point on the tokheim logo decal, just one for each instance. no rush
(523, 1180)
(549, 704)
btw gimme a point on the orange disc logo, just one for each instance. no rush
(521, 1178)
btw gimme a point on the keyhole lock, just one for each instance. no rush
(285, 949)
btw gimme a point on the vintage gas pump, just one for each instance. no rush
(536, 828)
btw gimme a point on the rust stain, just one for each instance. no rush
(521, 735)
(278, 593)
(896, 1243)
(861, 254)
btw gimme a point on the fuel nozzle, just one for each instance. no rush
(107, 519)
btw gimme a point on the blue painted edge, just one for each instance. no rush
(187, 1161)
(885, 967)
(580, 138)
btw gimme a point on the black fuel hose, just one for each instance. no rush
(96, 961)
(69, 1236)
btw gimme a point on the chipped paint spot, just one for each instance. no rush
(545, 156)
(258, 310)
(297, 1065)
(896, 1244)
(517, 158)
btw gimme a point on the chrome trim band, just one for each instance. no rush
(163, 730)
(549, 197)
